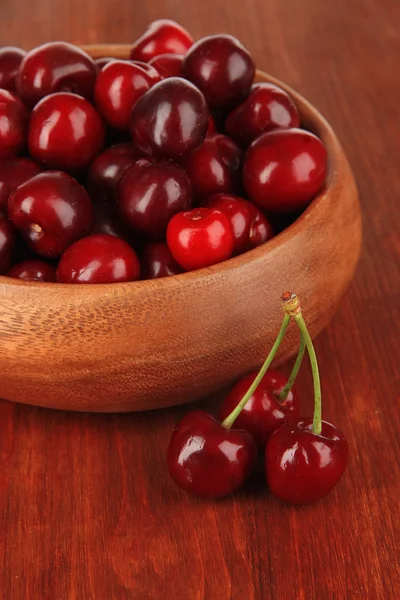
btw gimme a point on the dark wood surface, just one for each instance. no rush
(86, 507)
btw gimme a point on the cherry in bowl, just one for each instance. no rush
(14, 172)
(13, 124)
(168, 65)
(10, 60)
(107, 169)
(33, 270)
(157, 261)
(162, 36)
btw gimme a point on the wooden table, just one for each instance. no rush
(87, 510)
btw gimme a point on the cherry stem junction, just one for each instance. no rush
(296, 367)
(291, 306)
(230, 419)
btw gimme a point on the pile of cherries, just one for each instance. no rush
(304, 457)
(173, 160)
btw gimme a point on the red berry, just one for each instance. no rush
(56, 67)
(199, 238)
(51, 211)
(301, 466)
(161, 36)
(207, 459)
(284, 169)
(7, 242)
(157, 261)
(98, 258)
(65, 132)
(10, 60)
(107, 169)
(266, 107)
(151, 71)
(13, 124)
(168, 65)
(106, 220)
(33, 270)
(14, 172)
(222, 68)
(239, 214)
(149, 195)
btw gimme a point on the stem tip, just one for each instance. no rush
(290, 303)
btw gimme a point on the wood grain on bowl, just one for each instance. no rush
(150, 344)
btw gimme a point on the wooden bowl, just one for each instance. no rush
(150, 344)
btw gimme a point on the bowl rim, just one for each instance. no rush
(335, 167)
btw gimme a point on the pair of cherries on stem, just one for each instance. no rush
(304, 458)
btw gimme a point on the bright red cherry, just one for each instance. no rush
(301, 466)
(119, 86)
(207, 459)
(98, 258)
(222, 68)
(7, 242)
(65, 132)
(33, 270)
(102, 62)
(284, 169)
(106, 170)
(149, 195)
(264, 412)
(157, 261)
(107, 220)
(170, 120)
(10, 60)
(51, 211)
(266, 107)
(214, 166)
(161, 36)
(13, 124)
(168, 65)
(199, 238)
(56, 67)
(14, 172)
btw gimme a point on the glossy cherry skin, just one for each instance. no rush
(65, 132)
(266, 107)
(106, 170)
(13, 124)
(214, 166)
(207, 459)
(10, 60)
(170, 120)
(7, 242)
(119, 86)
(151, 71)
(264, 412)
(98, 258)
(200, 238)
(301, 466)
(222, 68)
(150, 194)
(157, 261)
(33, 270)
(14, 172)
(161, 37)
(56, 67)
(168, 65)
(284, 169)
(51, 211)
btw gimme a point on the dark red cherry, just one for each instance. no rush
(157, 261)
(106, 170)
(33, 270)
(98, 258)
(107, 220)
(102, 62)
(222, 68)
(214, 166)
(150, 194)
(56, 67)
(266, 107)
(207, 459)
(14, 172)
(13, 124)
(7, 242)
(151, 71)
(168, 65)
(161, 36)
(51, 211)
(264, 412)
(199, 238)
(170, 120)
(65, 132)
(284, 169)
(10, 60)
(261, 229)
(119, 86)
(301, 466)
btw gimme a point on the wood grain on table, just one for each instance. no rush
(87, 510)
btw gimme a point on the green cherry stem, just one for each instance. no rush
(291, 306)
(230, 419)
(284, 393)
